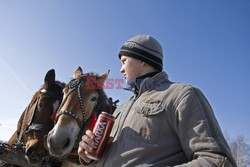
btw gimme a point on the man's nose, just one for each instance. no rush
(122, 70)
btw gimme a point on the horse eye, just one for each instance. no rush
(93, 99)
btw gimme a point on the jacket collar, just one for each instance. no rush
(150, 81)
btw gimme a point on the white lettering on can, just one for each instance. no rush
(98, 134)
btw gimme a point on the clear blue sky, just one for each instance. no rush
(206, 44)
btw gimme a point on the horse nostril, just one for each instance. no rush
(30, 150)
(67, 142)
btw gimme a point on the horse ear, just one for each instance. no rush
(50, 77)
(78, 72)
(105, 75)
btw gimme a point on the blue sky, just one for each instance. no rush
(206, 44)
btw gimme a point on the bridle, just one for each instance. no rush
(32, 126)
(74, 85)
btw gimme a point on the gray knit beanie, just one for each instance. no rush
(145, 48)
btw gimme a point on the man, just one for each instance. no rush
(164, 123)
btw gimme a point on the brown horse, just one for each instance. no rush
(80, 104)
(35, 122)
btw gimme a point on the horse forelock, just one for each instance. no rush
(86, 75)
(92, 74)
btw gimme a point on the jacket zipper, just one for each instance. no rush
(125, 117)
(128, 110)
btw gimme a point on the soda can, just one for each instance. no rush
(102, 131)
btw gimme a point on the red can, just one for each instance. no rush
(102, 131)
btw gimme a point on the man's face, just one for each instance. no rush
(131, 68)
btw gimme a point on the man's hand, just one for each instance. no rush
(86, 144)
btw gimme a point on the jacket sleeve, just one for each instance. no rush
(198, 130)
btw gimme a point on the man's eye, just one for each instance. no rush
(123, 61)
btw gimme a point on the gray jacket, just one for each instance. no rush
(166, 124)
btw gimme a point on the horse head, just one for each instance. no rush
(81, 103)
(36, 121)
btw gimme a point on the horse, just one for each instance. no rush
(35, 122)
(80, 107)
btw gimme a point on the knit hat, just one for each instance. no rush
(145, 48)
